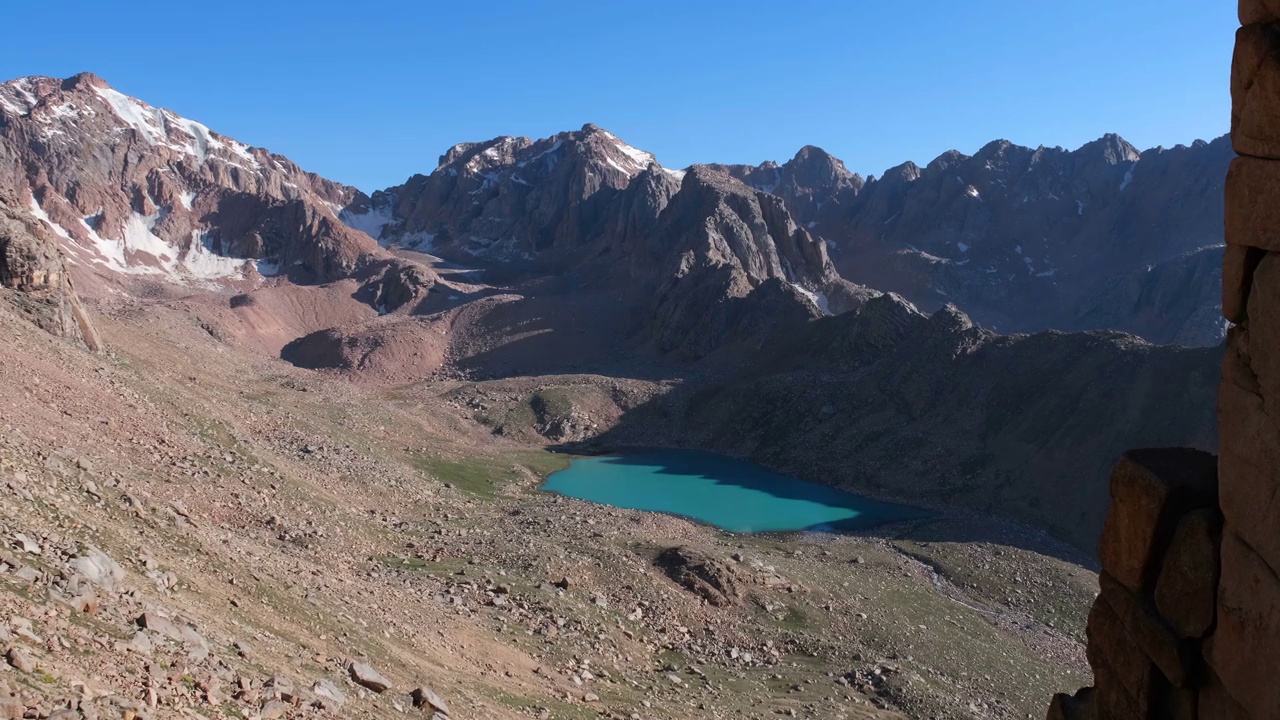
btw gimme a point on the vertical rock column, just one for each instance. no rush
(1149, 626)
(1243, 655)
(1187, 624)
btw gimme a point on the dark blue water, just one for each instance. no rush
(731, 494)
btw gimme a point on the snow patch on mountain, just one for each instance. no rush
(370, 223)
(201, 262)
(638, 157)
(819, 298)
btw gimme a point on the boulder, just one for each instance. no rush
(1244, 650)
(364, 674)
(426, 698)
(274, 710)
(1154, 639)
(1255, 92)
(328, 696)
(1187, 589)
(182, 633)
(1253, 203)
(1259, 11)
(20, 660)
(99, 569)
(713, 580)
(1150, 490)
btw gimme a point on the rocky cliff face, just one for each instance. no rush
(510, 198)
(35, 274)
(136, 190)
(692, 248)
(719, 242)
(1188, 620)
(814, 184)
(890, 401)
(1024, 238)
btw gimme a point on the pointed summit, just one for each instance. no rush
(1112, 148)
(84, 81)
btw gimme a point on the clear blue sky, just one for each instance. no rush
(369, 93)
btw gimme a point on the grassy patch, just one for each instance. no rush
(484, 476)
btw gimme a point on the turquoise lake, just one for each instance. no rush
(730, 494)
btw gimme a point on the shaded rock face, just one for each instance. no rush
(1025, 239)
(509, 198)
(692, 249)
(32, 267)
(890, 401)
(137, 190)
(1152, 636)
(1021, 239)
(814, 184)
(1203, 566)
(713, 580)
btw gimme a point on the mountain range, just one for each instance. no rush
(579, 253)
(264, 425)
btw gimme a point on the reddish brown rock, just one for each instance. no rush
(1187, 589)
(1238, 264)
(1253, 203)
(1235, 362)
(1215, 704)
(32, 265)
(1174, 703)
(1259, 11)
(1264, 335)
(1244, 650)
(1081, 706)
(1123, 676)
(1149, 633)
(1249, 447)
(1150, 490)
(1255, 92)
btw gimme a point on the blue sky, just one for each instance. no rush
(369, 93)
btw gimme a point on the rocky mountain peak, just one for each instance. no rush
(511, 198)
(814, 167)
(84, 80)
(132, 190)
(1111, 148)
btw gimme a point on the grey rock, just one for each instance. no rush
(20, 659)
(328, 696)
(99, 569)
(426, 698)
(364, 674)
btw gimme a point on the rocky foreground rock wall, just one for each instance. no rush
(1188, 621)
(34, 277)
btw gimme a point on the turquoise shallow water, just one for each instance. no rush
(731, 494)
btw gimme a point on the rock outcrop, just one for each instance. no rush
(1025, 239)
(33, 270)
(139, 191)
(1188, 622)
(510, 198)
(711, 261)
(1153, 622)
(1022, 239)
